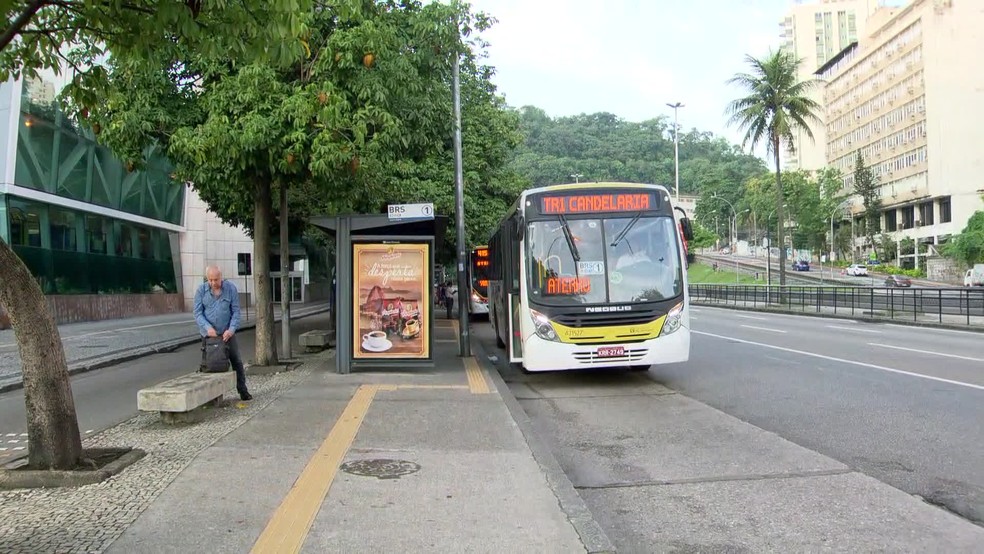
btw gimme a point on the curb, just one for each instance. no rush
(592, 536)
(129, 354)
(856, 317)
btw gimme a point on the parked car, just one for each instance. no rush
(973, 278)
(857, 270)
(801, 265)
(898, 281)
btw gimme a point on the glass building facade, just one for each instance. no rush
(72, 211)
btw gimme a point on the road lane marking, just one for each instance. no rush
(927, 352)
(937, 329)
(854, 329)
(476, 377)
(842, 360)
(290, 524)
(752, 317)
(764, 328)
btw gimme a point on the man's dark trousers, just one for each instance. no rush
(237, 364)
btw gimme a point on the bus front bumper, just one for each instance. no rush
(544, 355)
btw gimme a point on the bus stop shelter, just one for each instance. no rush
(383, 288)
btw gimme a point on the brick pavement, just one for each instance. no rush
(88, 519)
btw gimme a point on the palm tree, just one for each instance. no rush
(777, 103)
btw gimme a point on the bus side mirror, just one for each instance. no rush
(691, 257)
(519, 227)
(688, 229)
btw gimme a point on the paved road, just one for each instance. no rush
(902, 404)
(108, 396)
(781, 432)
(101, 339)
(816, 272)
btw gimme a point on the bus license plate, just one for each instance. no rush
(611, 351)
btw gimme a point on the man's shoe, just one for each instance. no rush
(245, 396)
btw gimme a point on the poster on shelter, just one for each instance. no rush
(391, 297)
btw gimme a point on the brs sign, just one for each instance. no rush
(588, 203)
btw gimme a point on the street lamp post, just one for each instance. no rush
(734, 244)
(577, 177)
(768, 258)
(676, 148)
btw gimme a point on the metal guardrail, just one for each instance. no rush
(954, 306)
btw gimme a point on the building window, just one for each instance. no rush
(945, 210)
(61, 225)
(890, 220)
(25, 223)
(97, 234)
(909, 217)
(926, 213)
(125, 240)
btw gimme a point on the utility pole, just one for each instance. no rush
(464, 341)
(676, 149)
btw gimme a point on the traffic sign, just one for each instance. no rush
(399, 212)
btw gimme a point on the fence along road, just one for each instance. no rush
(950, 306)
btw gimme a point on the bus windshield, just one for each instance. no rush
(628, 258)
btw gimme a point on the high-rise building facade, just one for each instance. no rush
(910, 98)
(815, 32)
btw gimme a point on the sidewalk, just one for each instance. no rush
(97, 344)
(423, 460)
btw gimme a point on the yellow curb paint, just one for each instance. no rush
(290, 524)
(476, 377)
(436, 387)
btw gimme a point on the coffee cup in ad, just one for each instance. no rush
(375, 339)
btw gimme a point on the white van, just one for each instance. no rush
(974, 276)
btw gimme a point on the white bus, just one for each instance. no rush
(478, 278)
(591, 275)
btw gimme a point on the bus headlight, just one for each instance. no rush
(673, 320)
(544, 329)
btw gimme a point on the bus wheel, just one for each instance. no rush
(639, 368)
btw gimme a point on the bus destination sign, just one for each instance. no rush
(602, 202)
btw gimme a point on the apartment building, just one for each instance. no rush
(816, 32)
(910, 97)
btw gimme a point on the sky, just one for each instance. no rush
(629, 57)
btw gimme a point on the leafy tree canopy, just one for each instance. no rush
(604, 147)
(968, 246)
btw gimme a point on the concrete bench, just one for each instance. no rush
(316, 340)
(182, 400)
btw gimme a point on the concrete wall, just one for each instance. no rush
(76, 308)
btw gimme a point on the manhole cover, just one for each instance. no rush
(382, 469)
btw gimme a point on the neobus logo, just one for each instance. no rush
(602, 309)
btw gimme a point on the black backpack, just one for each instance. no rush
(216, 357)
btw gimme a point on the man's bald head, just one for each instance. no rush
(214, 276)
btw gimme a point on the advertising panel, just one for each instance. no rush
(392, 311)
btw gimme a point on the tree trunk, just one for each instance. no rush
(266, 346)
(53, 440)
(285, 288)
(782, 222)
(870, 228)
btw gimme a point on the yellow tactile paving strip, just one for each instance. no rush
(289, 526)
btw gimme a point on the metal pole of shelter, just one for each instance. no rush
(464, 341)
